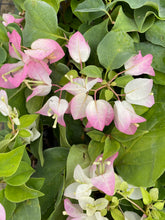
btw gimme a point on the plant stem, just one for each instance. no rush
(129, 200)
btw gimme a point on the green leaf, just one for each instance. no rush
(108, 95)
(159, 5)
(91, 6)
(9, 206)
(41, 22)
(154, 193)
(27, 120)
(92, 71)
(37, 149)
(21, 176)
(141, 162)
(159, 205)
(124, 23)
(156, 33)
(159, 78)
(99, 31)
(96, 135)
(35, 183)
(78, 154)
(123, 80)
(3, 55)
(59, 71)
(4, 144)
(144, 18)
(54, 4)
(115, 49)
(146, 196)
(52, 171)
(17, 99)
(14, 26)
(21, 193)
(94, 149)
(110, 148)
(3, 34)
(9, 162)
(139, 109)
(34, 104)
(117, 215)
(95, 8)
(24, 133)
(72, 125)
(56, 214)
(29, 209)
(19, 4)
(63, 139)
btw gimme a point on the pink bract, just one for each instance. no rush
(15, 45)
(105, 181)
(55, 106)
(125, 118)
(46, 49)
(2, 213)
(73, 210)
(8, 19)
(80, 85)
(78, 105)
(78, 48)
(99, 114)
(15, 74)
(138, 65)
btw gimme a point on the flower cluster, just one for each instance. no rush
(32, 66)
(99, 176)
(100, 112)
(33, 69)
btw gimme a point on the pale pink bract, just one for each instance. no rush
(99, 114)
(138, 65)
(125, 118)
(79, 49)
(45, 49)
(2, 212)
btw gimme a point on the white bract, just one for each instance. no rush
(138, 91)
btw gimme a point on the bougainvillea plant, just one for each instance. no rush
(82, 110)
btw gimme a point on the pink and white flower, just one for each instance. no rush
(41, 83)
(80, 85)
(79, 49)
(79, 104)
(2, 212)
(100, 176)
(8, 19)
(75, 211)
(47, 49)
(103, 174)
(4, 107)
(125, 118)
(138, 91)
(138, 65)
(12, 74)
(55, 107)
(99, 114)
